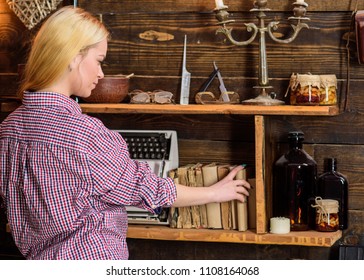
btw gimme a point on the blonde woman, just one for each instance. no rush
(66, 178)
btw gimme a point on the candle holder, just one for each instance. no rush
(260, 9)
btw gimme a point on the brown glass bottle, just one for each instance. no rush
(294, 182)
(334, 185)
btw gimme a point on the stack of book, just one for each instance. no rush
(227, 215)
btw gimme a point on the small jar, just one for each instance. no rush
(327, 217)
(305, 89)
(328, 88)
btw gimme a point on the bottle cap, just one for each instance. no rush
(299, 135)
(330, 164)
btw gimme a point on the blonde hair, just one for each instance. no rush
(66, 33)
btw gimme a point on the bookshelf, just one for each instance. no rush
(261, 115)
(260, 235)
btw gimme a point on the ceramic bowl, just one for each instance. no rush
(110, 89)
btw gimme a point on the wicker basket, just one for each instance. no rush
(31, 12)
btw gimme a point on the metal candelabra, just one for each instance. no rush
(299, 11)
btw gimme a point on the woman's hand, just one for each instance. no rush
(224, 190)
(229, 189)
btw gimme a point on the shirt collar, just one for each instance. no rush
(33, 100)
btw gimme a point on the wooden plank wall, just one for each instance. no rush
(147, 40)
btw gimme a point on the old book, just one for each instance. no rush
(210, 176)
(233, 207)
(173, 211)
(200, 183)
(242, 207)
(184, 213)
(195, 210)
(234, 215)
(226, 210)
(252, 206)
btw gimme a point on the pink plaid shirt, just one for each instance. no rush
(65, 179)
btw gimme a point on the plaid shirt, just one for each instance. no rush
(65, 179)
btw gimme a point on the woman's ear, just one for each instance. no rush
(75, 62)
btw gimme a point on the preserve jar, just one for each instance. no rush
(328, 87)
(305, 89)
(327, 217)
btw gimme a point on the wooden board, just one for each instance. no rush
(305, 238)
(211, 109)
(261, 215)
(208, 5)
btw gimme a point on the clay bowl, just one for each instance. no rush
(110, 89)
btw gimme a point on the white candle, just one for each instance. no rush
(279, 225)
(219, 4)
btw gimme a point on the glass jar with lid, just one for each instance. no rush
(305, 89)
(327, 217)
(328, 86)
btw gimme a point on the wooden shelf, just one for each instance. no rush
(303, 238)
(236, 109)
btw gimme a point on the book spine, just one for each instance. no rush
(226, 210)
(184, 217)
(173, 211)
(195, 210)
(252, 206)
(202, 208)
(242, 207)
(209, 173)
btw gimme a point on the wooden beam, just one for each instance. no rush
(303, 238)
(237, 109)
(261, 215)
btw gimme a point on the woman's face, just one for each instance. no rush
(88, 70)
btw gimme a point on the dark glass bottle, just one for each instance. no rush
(294, 183)
(334, 185)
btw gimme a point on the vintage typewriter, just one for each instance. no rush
(159, 148)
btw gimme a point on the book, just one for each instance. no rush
(233, 208)
(195, 209)
(184, 213)
(200, 183)
(210, 177)
(234, 214)
(173, 211)
(226, 207)
(252, 206)
(242, 207)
